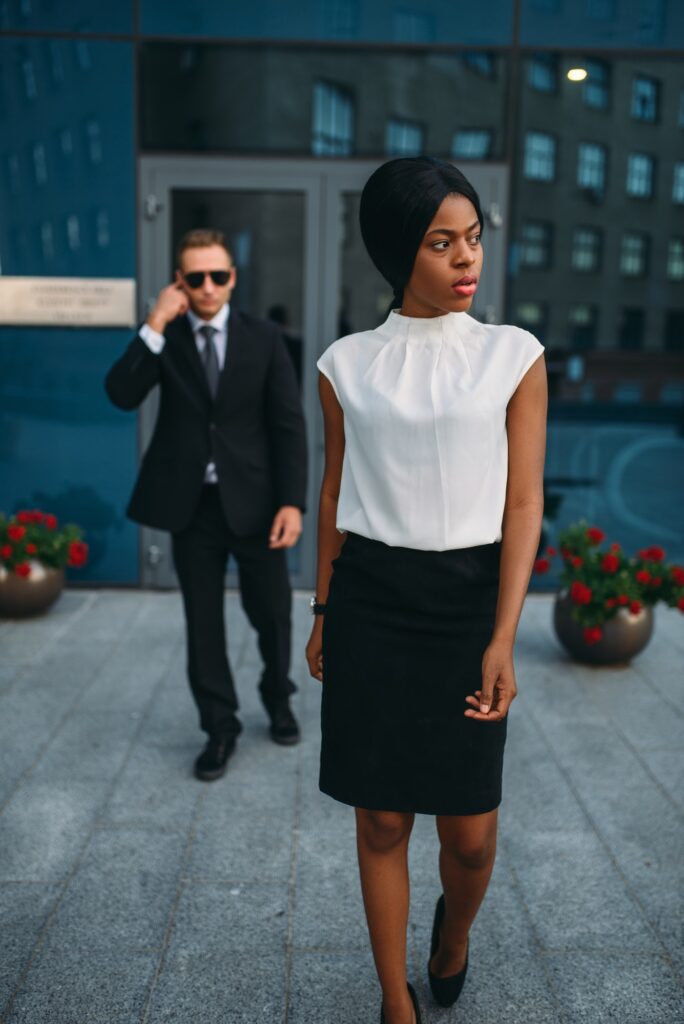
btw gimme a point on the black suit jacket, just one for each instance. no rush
(254, 431)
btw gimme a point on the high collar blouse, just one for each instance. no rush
(426, 449)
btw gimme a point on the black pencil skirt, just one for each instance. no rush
(403, 639)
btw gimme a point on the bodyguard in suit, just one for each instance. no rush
(225, 474)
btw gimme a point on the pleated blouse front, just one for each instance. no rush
(426, 450)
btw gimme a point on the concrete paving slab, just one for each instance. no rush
(630, 988)
(66, 987)
(232, 848)
(159, 898)
(44, 828)
(226, 919)
(120, 898)
(219, 990)
(24, 910)
(155, 787)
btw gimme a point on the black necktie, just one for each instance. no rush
(210, 358)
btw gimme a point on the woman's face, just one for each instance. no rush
(448, 263)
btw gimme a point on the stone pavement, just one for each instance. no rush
(130, 893)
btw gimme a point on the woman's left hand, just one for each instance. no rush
(491, 703)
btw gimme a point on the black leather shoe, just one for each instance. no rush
(445, 990)
(211, 764)
(284, 725)
(414, 1000)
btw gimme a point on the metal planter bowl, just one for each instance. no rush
(21, 596)
(623, 636)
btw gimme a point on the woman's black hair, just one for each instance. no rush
(398, 203)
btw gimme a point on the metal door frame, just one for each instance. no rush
(323, 184)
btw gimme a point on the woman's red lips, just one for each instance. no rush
(466, 287)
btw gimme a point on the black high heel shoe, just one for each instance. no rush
(445, 990)
(416, 1007)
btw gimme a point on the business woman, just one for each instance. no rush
(429, 522)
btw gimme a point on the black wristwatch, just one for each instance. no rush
(316, 608)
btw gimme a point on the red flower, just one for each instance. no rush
(615, 547)
(622, 599)
(678, 575)
(542, 565)
(78, 554)
(642, 576)
(635, 607)
(566, 552)
(24, 517)
(15, 533)
(31, 549)
(656, 581)
(551, 551)
(611, 602)
(610, 563)
(594, 535)
(592, 634)
(680, 604)
(51, 522)
(656, 554)
(580, 593)
(6, 551)
(36, 516)
(23, 569)
(577, 561)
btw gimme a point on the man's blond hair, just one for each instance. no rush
(201, 238)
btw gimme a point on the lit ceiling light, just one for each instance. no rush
(577, 74)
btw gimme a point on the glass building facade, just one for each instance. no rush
(123, 124)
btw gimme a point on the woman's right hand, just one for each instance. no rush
(314, 649)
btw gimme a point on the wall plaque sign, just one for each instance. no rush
(68, 301)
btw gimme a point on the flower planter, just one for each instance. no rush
(21, 596)
(623, 636)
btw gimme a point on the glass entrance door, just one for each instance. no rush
(292, 226)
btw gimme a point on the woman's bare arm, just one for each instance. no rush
(524, 506)
(329, 539)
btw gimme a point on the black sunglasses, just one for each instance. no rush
(195, 279)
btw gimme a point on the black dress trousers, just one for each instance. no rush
(201, 553)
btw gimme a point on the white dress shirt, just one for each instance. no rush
(426, 449)
(156, 341)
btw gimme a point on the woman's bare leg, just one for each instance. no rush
(382, 842)
(466, 859)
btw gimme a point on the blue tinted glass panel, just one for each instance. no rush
(415, 21)
(67, 208)
(67, 167)
(63, 446)
(619, 474)
(641, 23)
(113, 16)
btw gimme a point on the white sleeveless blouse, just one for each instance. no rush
(426, 450)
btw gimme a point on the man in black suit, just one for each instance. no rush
(225, 473)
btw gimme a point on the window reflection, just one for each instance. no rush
(633, 254)
(332, 132)
(596, 86)
(540, 156)
(600, 179)
(644, 99)
(404, 138)
(675, 259)
(327, 102)
(639, 182)
(678, 184)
